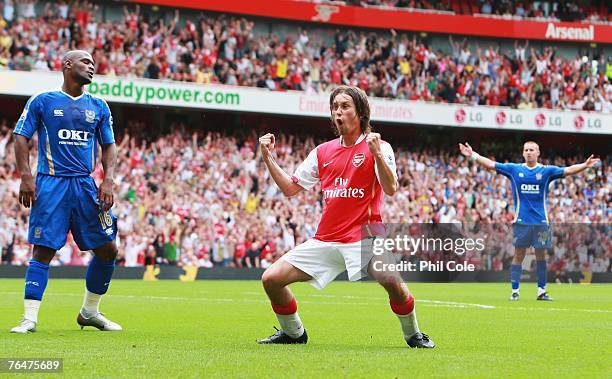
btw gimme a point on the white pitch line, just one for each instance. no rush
(560, 309)
(217, 299)
(427, 303)
(454, 304)
(192, 299)
(432, 303)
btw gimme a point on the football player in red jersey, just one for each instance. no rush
(354, 171)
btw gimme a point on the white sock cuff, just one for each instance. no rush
(541, 290)
(91, 302)
(31, 308)
(291, 324)
(409, 324)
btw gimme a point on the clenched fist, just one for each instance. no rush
(373, 141)
(266, 144)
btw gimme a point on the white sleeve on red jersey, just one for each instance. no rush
(307, 173)
(389, 158)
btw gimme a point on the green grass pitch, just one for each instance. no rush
(209, 329)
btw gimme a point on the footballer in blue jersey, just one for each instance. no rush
(531, 226)
(70, 123)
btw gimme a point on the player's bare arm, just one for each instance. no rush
(578, 168)
(280, 177)
(387, 179)
(467, 151)
(105, 192)
(27, 188)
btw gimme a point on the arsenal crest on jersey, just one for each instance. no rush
(90, 116)
(358, 159)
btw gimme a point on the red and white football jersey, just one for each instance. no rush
(351, 189)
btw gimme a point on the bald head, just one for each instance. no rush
(75, 55)
(78, 67)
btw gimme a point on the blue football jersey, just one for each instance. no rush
(530, 190)
(69, 129)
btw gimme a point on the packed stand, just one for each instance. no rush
(207, 200)
(419, 5)
(591, 11)
(227, 50)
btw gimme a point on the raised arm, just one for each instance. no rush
(485, 162)
(280, 177)
(578, 168)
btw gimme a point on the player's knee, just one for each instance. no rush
(540, 255)
(43, 254)
(107, 252)
(519, 256)
(271, 278)
(113, 252)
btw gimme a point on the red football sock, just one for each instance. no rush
(287, 309)
(402, 309)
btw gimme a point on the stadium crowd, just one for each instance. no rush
(230, 50)
(592, 11)
(204, 199)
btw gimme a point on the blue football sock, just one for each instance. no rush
(36, 278)
(99, 274)
(515, 275)
(541, 273)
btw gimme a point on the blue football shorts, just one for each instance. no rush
(69, 204)
(536, 236)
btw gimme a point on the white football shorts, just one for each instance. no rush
(324, 261)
